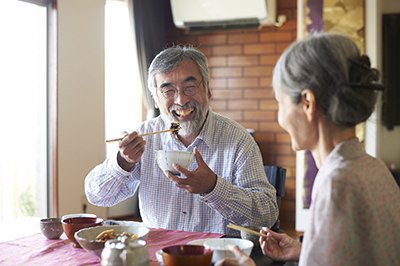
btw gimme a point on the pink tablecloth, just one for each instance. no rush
(38, 250)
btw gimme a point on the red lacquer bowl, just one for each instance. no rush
(72, 225)
(187, 255)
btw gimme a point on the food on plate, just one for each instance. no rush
(174, 129)
(110, 234)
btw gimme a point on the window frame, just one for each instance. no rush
(51, 91)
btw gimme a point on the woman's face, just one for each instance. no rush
(292, 118)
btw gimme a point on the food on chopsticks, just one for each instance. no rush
(173, 129)
(110, 234)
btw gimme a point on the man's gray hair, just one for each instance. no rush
(170, 58)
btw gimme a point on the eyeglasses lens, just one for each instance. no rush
(189, 88)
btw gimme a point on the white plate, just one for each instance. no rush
(199, 242)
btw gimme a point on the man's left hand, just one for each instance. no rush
(201, 180)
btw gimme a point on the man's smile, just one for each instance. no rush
(184, 112)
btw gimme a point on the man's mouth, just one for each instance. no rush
(185, 112)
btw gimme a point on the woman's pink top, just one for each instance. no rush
(355, 211)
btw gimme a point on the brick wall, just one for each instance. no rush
(241, 64)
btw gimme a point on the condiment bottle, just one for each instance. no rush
(125, 252)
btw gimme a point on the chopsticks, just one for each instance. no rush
(239, 228)
(146, 134)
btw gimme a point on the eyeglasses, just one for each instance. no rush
(189, 88)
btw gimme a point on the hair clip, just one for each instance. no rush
(359, 64)
(375, 87)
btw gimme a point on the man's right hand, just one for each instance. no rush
(131, 149)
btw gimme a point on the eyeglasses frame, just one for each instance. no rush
(184, 91)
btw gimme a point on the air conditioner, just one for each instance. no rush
(213, 15)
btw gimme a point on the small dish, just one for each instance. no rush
(51, 228)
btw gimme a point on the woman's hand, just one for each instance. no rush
(240, 258)
(279, 247)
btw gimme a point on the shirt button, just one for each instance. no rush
(184, 213)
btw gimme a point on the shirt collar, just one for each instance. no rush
(206, 133)
(348, 150)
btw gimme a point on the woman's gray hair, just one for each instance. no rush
(170, 58)
(330, 66)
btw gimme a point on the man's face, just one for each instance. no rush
(189, 111)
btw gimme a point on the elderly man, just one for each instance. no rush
(225, 183)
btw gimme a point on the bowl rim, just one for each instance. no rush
(51, 220)
(174, 151)
(245, 241)
(99, 221)
(76, 234)
(207, 250)
(78, 215)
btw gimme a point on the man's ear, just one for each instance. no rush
(208, 90)
(309, 104)
(156, 105)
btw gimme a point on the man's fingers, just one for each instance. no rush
(130, 137)
(126, 138)
(178, 181)
(198, 157)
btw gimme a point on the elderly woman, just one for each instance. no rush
(324, 88)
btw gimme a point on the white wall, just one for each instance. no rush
(80, 99)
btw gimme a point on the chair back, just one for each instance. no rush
(276, 176)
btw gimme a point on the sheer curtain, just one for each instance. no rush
(148, 22)
(23, 111)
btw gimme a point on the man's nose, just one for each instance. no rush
(181, 98)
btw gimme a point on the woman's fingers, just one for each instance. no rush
(236, 251)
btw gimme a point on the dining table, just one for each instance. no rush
(35, 249)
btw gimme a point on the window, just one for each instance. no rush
(24, 112)
(123, 100)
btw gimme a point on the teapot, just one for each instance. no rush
(125, 252)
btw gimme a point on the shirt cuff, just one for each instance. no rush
(117, 170)
(217, 194)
